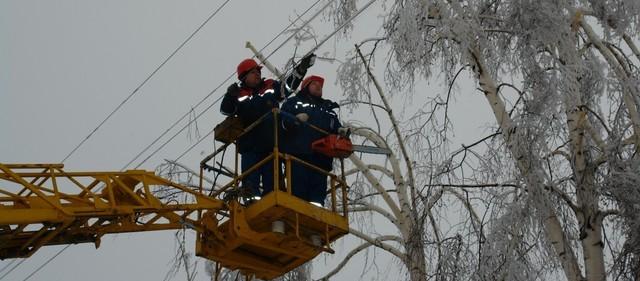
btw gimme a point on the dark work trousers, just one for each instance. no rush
(262, 176)
(318, 188)
(307, 183)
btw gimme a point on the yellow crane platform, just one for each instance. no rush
(42, 204)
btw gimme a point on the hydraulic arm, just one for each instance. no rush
(41, 204)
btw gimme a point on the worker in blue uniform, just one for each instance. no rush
(308, 106)
(254, 97)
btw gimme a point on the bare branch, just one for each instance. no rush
(629, 92)
(604, 125)
(394, 124)
(374, 167)
(362, 102)
(355, 251)
(402, 212)
(485, 185)
(372, 195)
(379, 244)
(366, 207)
(189, 170)
(632, 46)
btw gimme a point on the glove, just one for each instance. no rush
(331, 105)
(344, 132)
(306, 62)
(233, 90)
(303, 117)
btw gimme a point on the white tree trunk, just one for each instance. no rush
(416, 263)
(630, 89)
(553, 228)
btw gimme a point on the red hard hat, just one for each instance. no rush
(310, 79)
(245, 66)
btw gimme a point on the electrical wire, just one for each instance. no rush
(194, 145)
(172, 126)
(214, 90)
(213, 14)
(225, 81)
(8, 265)
(145, 81)
(47, 262)
(12, 269)
(209, 107)
(312, 50)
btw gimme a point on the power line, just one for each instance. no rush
(194, 145)
(215, 12)
(342, 25)
(312, 50)
(229, 77)
(206, 109)
(47, 262)
(145, 80)
(172, 126)
(12, 269)
(183, 127)
(209, 107)
(8, 265)
(213, 91)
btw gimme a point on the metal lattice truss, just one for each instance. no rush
(40, 204)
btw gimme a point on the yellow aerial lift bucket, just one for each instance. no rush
(279, 232)
(253, 241)
(41, 204)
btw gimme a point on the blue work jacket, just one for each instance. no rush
(296, 136)
(251, 104)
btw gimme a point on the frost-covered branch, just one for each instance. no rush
(372, 194)
(375, 184)
(467, 204)
(394, 124)
(373, 167)
(191, 171)
(484, 185)
(379, 244)
(367, 207)
(564, 196)
(632, 46)
(629, 90)
(403, 211)
(552, 225)
(362, 102)
(354, 252)
(577, 91)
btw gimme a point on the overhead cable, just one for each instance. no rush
(211, 16)
(224, 82)
(145, 81)
(312, 50)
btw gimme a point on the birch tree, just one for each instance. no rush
(553, 191)
(399, 189)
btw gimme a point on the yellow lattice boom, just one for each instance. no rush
(41, 204)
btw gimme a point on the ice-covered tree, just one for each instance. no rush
(554, 191)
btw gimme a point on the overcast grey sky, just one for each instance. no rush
(64, 65)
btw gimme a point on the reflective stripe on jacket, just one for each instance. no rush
(296, 137)
(251, 104)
